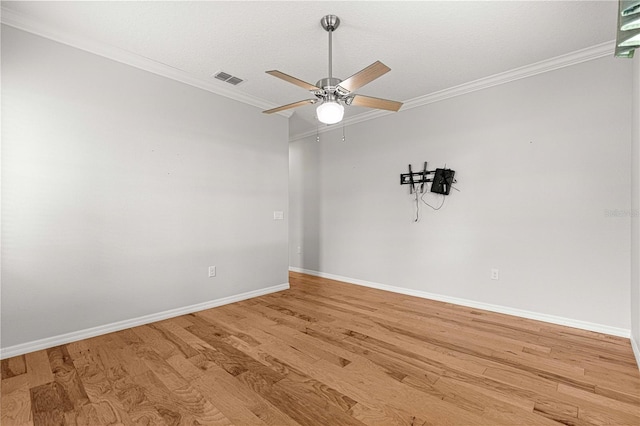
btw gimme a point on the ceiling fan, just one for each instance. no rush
(333, 93)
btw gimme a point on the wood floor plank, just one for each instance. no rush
(158, 340)
(300, 401)
(295, 375)
(49, 404)
(97, 414)
(170, 331)
(383, 415)
(431, 407)
(38, 368)
(184, 405)
(65, 374)
(13, 367)
(587, 398)
(15, 406)
(312, 347)
(238, 403)
(136, 403)
(12, 384)
(112, 369)
(489, 404)
(227, 331)
(325, 352)
(104, 405)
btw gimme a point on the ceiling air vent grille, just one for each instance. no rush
(228, 78)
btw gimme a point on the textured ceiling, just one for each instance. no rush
(429, 45)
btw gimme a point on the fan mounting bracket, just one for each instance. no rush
(330, 22)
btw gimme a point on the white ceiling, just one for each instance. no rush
(430, 46)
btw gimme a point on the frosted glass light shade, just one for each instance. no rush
(330, 112)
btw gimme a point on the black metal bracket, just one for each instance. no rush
(418, 177)
(444, 179)
(414, 178)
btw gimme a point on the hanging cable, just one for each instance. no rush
(434, 208)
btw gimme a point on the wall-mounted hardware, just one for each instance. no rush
(440, 182)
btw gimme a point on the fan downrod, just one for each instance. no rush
(330, 23)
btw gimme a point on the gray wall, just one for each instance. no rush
(635, 209)
(543, 171)
(304, 205)
(120, 188)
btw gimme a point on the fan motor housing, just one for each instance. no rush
(328, 83)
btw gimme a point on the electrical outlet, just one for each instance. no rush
(299, 250)
(495, 274)
(278, 215)
(212, 271)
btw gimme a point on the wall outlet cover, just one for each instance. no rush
(495, 274)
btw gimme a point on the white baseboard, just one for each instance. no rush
(62, 339)
(636, 350)
(584, 325)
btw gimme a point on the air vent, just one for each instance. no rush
(235, 81)
(228, 78)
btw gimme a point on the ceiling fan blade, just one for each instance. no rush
(369, 102)
(289, 106)
(363, 77)
(293, 80)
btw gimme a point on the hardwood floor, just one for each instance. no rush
(329, 353)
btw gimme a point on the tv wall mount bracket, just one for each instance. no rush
(440, 182)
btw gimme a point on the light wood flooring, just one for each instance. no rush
(329, 353)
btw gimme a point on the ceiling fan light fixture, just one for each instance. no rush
(334, 93)
(330, 112)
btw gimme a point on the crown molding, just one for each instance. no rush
(573, 58)
(28, 24)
